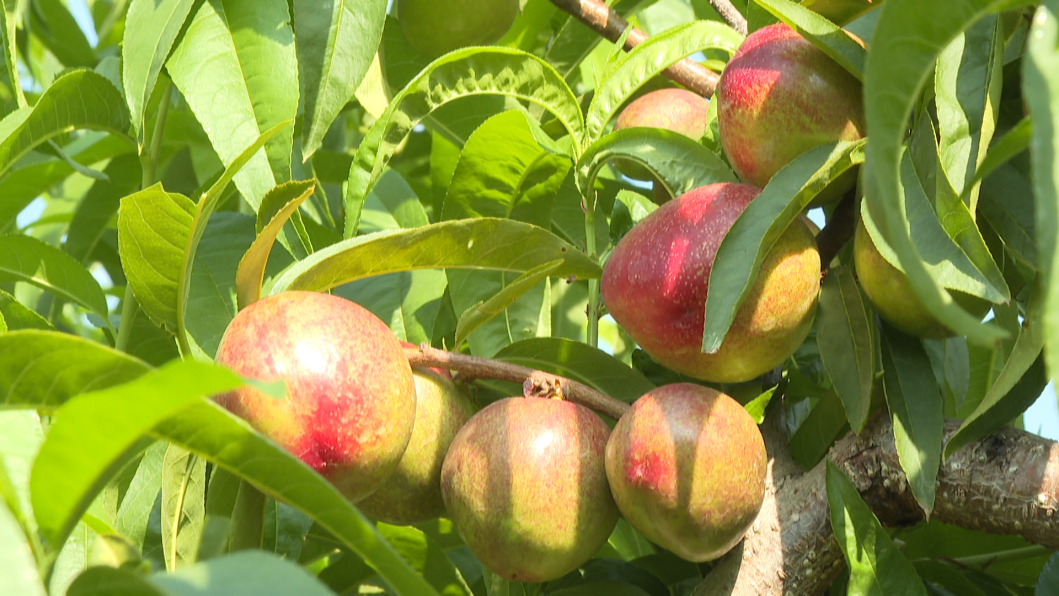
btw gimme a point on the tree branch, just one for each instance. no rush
(610, 25)
(1007, 483)
(731, 15)
(534, 382)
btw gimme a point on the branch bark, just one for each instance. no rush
(610, 25)
(730, 14)
(1007, 483)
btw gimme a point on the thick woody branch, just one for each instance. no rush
(535, 383)
(1007, 483)
(610, 25)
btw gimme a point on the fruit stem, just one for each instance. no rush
(593, 284)
(535, 383)
(610, 25)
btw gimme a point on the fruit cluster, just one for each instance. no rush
(534, 485)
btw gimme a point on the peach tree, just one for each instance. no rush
(166, 163)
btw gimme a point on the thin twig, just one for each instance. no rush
(730, 14)
(534, 382)
(610, 25)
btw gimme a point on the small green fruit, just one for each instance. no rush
(350, 401)
(413, 492)
(437, 27)
(524, 483)
(891, 292)
(677, 110)
(687, 465)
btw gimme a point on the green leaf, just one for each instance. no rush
(207, 205)
(485, 243)
(471, 71)
(764, 220)
(477, 315)
(210, 431)
(579, 362)
(151, 27)
(135, 508)
(183, 506)
(153, 231)
(242, 573)
(16, 316)
(1018, 385)
(57, 30)
(282, 201)
(100, 203)
(67, 475)
(953, 214)
(246, 51)
(26, 259)
(9, 18)
(248, 518)
(1040, 80)
(648, 59)
(18, 570)
(877, 567)
(822, 33)
(679, 162)
(629, 209)
(1049, 580)
(42, 369)
(968, 82)
(845, 325)
(426, 557)
(945, 261)
(825, 424)
(336, 43)
(76, 100)
(916, 410)
(909, 37)
(1014, 142)
(108, 581)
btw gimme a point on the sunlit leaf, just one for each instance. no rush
(151, 27)
(251, 270)
(183, 506)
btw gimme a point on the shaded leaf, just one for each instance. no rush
(825, 424)
(764, 220)
(16, 316)
(1049, 580)
(426, 557)
(916, 410)
(336, 43)
(24, 258)
(845, 325)
(100, 203)
(135, 508)
(183, 506)
(76, 100)
(477, 315)
(151, 27)
(877, 567)
(1014, 142)
(282, 201)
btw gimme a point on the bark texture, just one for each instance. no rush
(1007, 483)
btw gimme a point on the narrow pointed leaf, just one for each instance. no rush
(336, 43)
(485, 243)
(26, 259)
(474, 317)
(471, 71)
(908, 39)
(968, 82)
(759, 226)
(183, 506)
(679, 162)
(821, 32)
(246, 50)
(1013, 142)
(79, 99)
(877, 567)
(648, 59)
(1018, 385)
(66, 476)
(135, 509)
(1040, 80)
(9, 19)
(18, 570)
(1048, 583)
(282, 201)
(427, 558)
(845, 324)
(208, 430)
(151, 28)
(98, 206)
(916, 410)
(153, 230)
